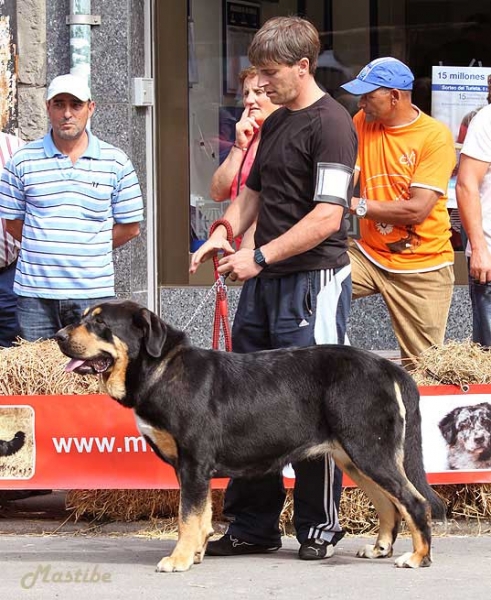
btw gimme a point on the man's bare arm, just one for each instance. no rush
(124, 232)
(404, 212)
(309, 232)
(470, 176)
(14, 227)
(319, 224)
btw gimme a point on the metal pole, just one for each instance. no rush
(80, 40)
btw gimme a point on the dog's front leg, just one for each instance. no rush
(194, 523)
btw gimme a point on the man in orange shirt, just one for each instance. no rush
(405, 160)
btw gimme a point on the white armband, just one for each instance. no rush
(333, 182)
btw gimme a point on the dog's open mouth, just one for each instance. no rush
(91, 366)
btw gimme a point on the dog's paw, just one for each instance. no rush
(410, 560)
(374, 551)
(173, 564)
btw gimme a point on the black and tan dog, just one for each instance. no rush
(211, 413)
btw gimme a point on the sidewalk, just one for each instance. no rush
(109, 567)
(44, 556)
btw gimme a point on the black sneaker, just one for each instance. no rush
(317, 549)
(232, 546)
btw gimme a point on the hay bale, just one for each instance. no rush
(131, 505)
(38, 368)
(470, 504)
(123, 505)
(454, 363)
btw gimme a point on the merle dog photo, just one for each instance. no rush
(467, 432)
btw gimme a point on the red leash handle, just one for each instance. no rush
(221, 304)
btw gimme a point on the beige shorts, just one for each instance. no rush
(418, 303)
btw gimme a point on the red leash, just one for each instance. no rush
(221, 304)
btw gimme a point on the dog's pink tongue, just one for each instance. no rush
(73, 364)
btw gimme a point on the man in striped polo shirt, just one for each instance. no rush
(9, 249)
(69, 198)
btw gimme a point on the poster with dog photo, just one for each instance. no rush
(17, 446)
(456, 432)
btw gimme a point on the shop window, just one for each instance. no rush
(419, 32)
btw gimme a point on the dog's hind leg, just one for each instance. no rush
(194, 523)
(417, 513)
(414, 508)
(388, 514)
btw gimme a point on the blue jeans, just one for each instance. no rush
(9, 327)
(41, 318)
(481, 312)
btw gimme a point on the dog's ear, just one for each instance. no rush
(447, 426)
(155, 332)
(488, 409)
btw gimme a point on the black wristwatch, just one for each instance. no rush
(259, 258)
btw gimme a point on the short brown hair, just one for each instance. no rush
(284, 41)
(247, 72)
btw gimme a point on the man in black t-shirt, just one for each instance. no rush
(297, 289)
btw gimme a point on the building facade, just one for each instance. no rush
(163, 74)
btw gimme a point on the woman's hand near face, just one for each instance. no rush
(245, 129)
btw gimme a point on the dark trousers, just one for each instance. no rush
(302, 309)
(9, 326)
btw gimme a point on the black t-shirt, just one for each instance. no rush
(294, 150)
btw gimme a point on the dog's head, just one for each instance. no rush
(108, 337)
(468, 427)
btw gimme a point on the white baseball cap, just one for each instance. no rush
(69, 84)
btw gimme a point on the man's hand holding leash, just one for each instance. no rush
(240, 215)
(240, 265)
(217, 242)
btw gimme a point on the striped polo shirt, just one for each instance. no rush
(68, 211)
(9, 248)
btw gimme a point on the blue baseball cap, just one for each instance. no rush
(382, 72)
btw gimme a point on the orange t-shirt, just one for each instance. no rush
(391, 160)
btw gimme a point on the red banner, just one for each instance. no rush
(91, 442)
(77, 442)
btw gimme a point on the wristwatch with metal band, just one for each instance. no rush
(259, 258)
(362, 208)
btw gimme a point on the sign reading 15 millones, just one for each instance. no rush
(455, 91)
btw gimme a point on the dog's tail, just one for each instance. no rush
(413, 452)
(7, 448)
